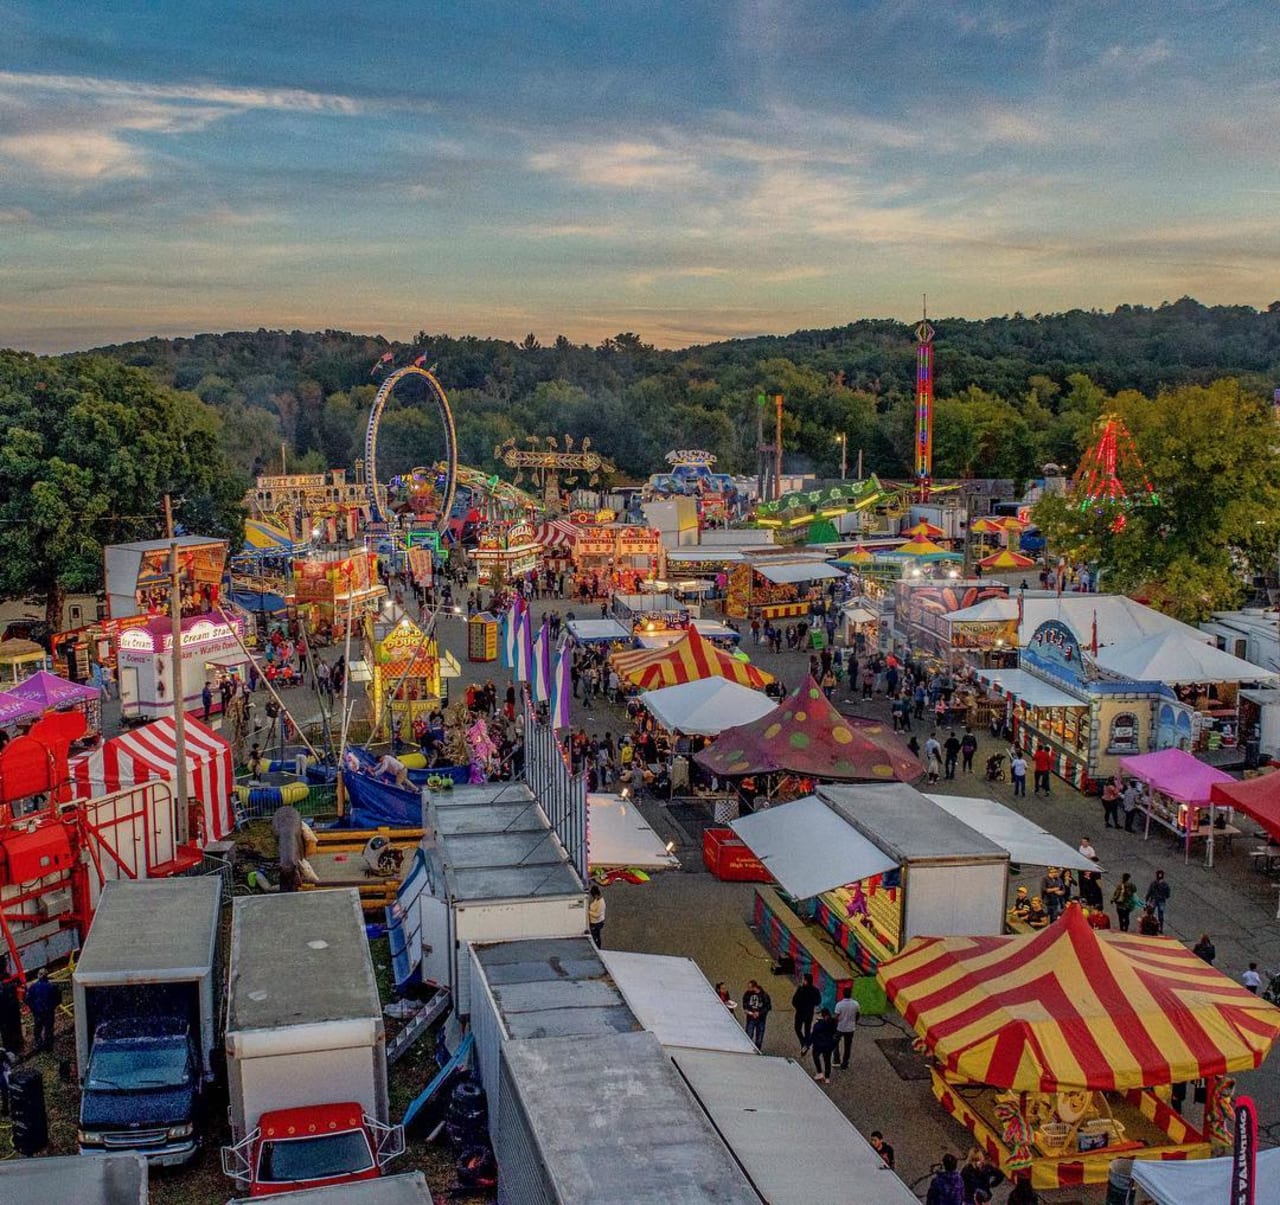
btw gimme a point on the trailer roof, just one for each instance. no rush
(553, 987)
(489, 818)
(152, 927)
(114, 1179)
(906, 824)
(477, 884)
(615, 1123)
(773, 1117)
(306, 962)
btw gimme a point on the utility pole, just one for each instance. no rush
(843, 440)
(183, 819)
(777, 476)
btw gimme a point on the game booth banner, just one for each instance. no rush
(330, 585)
(506, 552)
(1063, 1050)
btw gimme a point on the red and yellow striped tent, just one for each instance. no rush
(1005, 559)
(1075, 1007)
(689, 659)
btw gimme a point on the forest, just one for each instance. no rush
(1013, 392)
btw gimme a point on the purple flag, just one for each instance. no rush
(542, 664)
(562, 687)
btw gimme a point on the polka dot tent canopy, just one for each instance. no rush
(690, 659)
(805, 735)
(1076, 1007)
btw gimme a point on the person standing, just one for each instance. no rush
(595, 915)
(882, 1148)
(206, 699)
(847, 1013)
(1043, 763)
(952, 750)
(1053, 893)
(756, 1006)
(1124, 899)
(1204, 949)
(1158, 893)
(1129, 802)
(42, 999)
(1018, 774)
(979, 1175)
(824, 1044)
(968, 747)
(946, 1188)
(805, 1002)
(933, 757)
(1111, 804)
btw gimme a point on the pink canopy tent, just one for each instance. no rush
(52, 692)
(1178, 775)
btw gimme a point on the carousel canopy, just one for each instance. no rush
(1176, 658)
(1256, 797)
(806, 735)
(1175, 773)
(49, 691)
(705, 707)
(1077, 1007)
(687, 660)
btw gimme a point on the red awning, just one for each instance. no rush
(1256, 797)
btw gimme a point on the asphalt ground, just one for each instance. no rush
(691, 913)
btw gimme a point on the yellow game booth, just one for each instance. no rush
(407, 675)
(1060, 1051)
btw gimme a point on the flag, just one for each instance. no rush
(382, 360)
(542, 664)
(420, 361)
(1244, 1152)
(524, 647)
(1093, 645)
(562, 687)
(1020, 594)
(504, 640)
(1062, 573)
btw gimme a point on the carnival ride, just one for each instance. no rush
(447, 483)
(1112, 479)
(545, 462)
(690, 475)
(924, 407)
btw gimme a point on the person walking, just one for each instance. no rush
(10, 1010)
(952, 750)
(882, 1148)
(968, 747)
(42, 999)
(1129, 800)
(1043, 763)
(1018, 774)
(1158, 893)
(946, 1188)
(595, 915)
(847, 1013)
(756, 1006)
(805, 1002)
(979, 1176)
(933, 757)
(1251, 978)
(824, 1044)
(1124, 899)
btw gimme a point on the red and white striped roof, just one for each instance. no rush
(555, 533)
(148, 754)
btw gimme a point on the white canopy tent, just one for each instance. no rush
(809, 849)
(1025, 840)
(596, 631)
(1204, 1181)
(706, 707)
(1176, 659)
(617, 835)
(856, 613)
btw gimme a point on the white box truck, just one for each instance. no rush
(306, 1047)
(147, 992)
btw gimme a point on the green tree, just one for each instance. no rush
(89, 448)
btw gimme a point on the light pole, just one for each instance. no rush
(843, 440)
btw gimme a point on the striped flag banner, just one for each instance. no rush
(542, 664)
(504, 639)
(562, 687)
(524, 648)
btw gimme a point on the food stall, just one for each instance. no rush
(505, 553)
(326, 590)
(1179, 797)
(19, 659)
(408, 674)
(211, 651)
(51, 693)
(777, 585)
(1072, 1042)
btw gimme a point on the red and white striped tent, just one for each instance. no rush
(149, 753)
(557, 536)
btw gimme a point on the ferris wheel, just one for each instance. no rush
(435, 391)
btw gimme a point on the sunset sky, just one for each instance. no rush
(686, 170)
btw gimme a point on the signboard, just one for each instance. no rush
(420, 565)
(985, 634)
(1244, 1153)
(292, 481)
(1055, 650)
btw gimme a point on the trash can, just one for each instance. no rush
(1252, 753)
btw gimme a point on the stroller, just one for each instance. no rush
(995, 768)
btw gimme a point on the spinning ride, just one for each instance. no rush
(448, 467)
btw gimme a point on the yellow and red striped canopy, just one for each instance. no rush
(1005, 559)
(689, 659)
(1075, 1007)
(985, 527)
(925, 530)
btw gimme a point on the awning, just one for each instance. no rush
(1028, 689)
(674, 1001)
(1197, 1181)
(858, 615)
(1176, 773)
(597, 631)
(1178, 658)
(706, 707)
(808, 848)
(1256, 797)
(1025, 840)
(617, 835)
(797, 571)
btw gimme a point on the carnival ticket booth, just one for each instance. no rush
(1063, 1050)
(211, 651)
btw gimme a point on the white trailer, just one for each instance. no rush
(305, 1036)
(114, 1179)
(491, 869)
(408, 1188)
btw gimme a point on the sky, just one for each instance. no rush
(683, 169)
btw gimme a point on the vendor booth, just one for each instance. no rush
(773, 587)
(505, 554)
(51, 693)
(1179, 798)
(408, 674)
(326, 591)
(599, 631)
(20, 659)
(705, 707)
(211, 652)
(139, 575)
(689, 659)
(1058, 1051)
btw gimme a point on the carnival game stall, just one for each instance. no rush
(408, 674)
(326, 591)
(48, 692)
(613, 557)
(770, 586)
(211, 651)
(650, 613)
(1059, 1051)
(506, 554)
(1180, 798)
(139, 576)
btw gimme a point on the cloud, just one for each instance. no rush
(14, 216)
(644, 165)
(81, 155)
